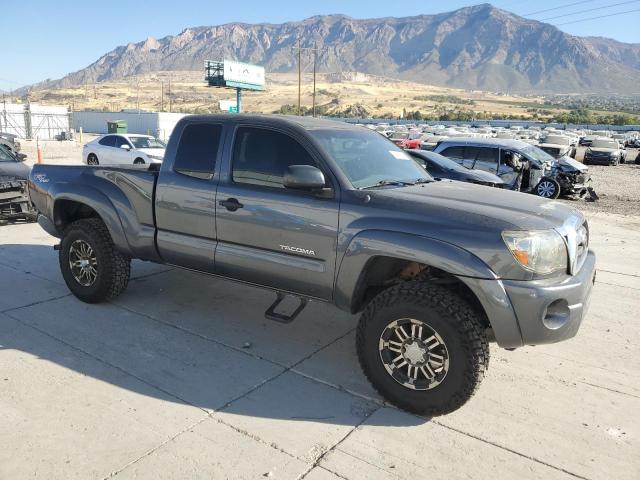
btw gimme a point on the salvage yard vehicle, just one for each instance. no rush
(407, 140)
(14, 200)
(10, 142)
(522, 166)
(330, 212)
(604, 151)
(442, 167)
(558, 146)
(123, 149)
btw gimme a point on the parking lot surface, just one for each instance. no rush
(183, 377)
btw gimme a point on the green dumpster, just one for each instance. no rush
(118, 126)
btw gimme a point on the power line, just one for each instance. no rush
(599, 16)
(558, 8)
(588, 10)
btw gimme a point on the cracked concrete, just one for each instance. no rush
(160, 384)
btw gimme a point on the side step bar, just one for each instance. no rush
(271, 313)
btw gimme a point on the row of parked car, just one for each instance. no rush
(603, 147)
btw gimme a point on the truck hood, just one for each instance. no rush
(473, 207)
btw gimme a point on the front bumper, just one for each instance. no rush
(518, 310)
(549, 311)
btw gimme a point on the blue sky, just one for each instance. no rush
(47, 39)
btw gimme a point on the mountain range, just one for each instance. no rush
(479, 47)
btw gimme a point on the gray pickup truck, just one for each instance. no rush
(329, 212)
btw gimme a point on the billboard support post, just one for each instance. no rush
(232, 74)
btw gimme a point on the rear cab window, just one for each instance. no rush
(198, 149)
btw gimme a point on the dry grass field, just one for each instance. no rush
(186, 91)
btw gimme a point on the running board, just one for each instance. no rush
(271, 313)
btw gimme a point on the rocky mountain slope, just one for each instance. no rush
(479, 47)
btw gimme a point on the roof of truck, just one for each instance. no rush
(308, 123)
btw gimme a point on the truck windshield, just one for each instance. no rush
(146, 142)
(368, 159)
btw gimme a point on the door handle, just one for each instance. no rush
(231, 204)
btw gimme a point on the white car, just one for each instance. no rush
(123, 149)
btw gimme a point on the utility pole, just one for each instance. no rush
(169, 94)
(299, 75)
(138, 94)
(162, 96)
(315, 61)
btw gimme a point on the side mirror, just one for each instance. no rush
(304, 177)
(126, 147)
(21, 157)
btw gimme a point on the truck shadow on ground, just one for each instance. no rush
(193, 339)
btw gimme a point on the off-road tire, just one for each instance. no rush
(113, 267)
(458, 324)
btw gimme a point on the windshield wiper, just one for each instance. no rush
(384, 183)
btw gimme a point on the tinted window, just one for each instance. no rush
(454, 152)
(487, 155)
(106, 141)
(198, 149)
(119, 141)
(261, 157)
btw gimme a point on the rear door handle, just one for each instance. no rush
(231, 204)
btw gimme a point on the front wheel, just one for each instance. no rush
(138, 161)
(548, 188)
(91, 267)
(423, 348)
(92, 159)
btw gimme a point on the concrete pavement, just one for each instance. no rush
(182, 377)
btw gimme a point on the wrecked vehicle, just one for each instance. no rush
(10, 142)
(558, 146)
(335, 213)
(522, 166)
(14, 199)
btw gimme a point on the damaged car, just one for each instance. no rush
(14, 199)
(521, 166)
(558, 146)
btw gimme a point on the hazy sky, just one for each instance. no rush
(47, 39)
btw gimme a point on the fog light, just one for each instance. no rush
(556, 314)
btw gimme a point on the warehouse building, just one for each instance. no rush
(158, 124)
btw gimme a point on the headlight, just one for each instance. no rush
(539, 251)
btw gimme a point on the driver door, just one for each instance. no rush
(122, 151)
(268, 234)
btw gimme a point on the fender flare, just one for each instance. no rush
(464, 265)
(96, 200)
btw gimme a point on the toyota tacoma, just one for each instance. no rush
(329, 212)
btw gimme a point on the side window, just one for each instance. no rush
(107, 141)
(433, 167)
(261, 156)
(198, 149)
(120, 141)
(454, 153)
(487, 159)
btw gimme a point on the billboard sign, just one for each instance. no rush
(230, 106)
(243, 75)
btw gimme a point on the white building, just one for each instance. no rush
(159, 124)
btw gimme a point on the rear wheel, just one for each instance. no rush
(138, 161)
(423, 348)
(92, 159)
(91, 267)
(548, 188)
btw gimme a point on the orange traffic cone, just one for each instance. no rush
(39, 154)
